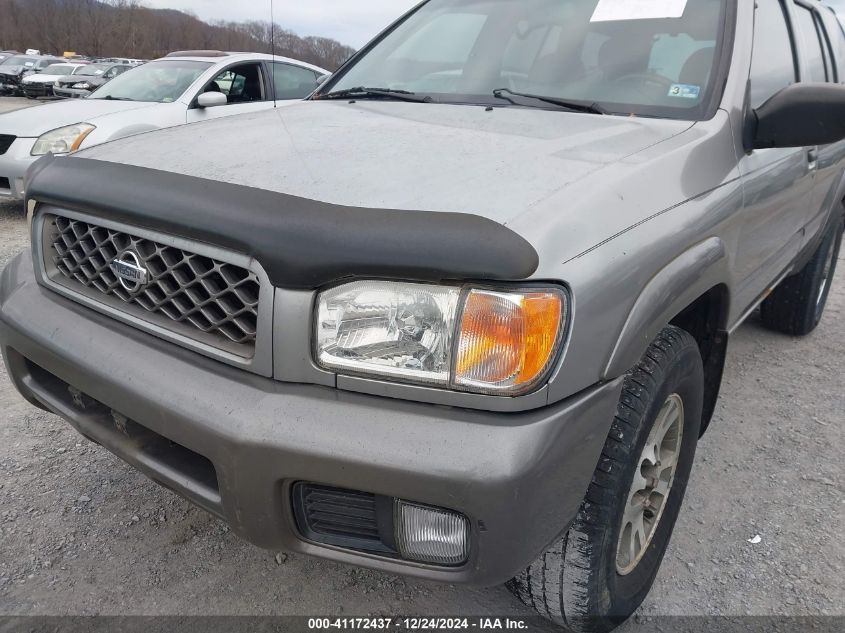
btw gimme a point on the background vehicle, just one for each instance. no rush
(124, 61)
(87, 79)
(14, 69)
(470, 321)
(182, 88)
(41, 84)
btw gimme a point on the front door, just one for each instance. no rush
(777, 183)
(245, 88)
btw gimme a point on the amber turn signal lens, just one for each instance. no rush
(508, 340)
(81, 138)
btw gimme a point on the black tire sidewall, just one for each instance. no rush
(684, 377)
(834, 242)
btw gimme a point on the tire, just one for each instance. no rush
(576, 583)
(796, 306)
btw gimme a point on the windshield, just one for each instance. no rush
(58, 69)
(93, 69)
(19, 60)
(658, 61)
(162, 81)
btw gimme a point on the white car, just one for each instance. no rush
(41, 84)
(184, 87)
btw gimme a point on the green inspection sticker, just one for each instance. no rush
(685, 91)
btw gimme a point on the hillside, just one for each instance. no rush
(126, 28)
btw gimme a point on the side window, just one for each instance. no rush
(293, 82)
(812, 46)
(833, 70)
(773, 64)
(241, 84)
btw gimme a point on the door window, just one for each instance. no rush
(241, 84)
(293, 82)
(773, 63)
(812, 45)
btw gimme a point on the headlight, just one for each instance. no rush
(63, 140)
(82, 85)
(497, 342)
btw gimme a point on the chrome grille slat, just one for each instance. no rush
(197, 292)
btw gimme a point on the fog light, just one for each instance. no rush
(430, 535)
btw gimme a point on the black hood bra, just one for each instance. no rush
(301, 243)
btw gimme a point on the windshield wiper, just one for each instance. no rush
(111, 98)
(575, 106)
(361, 91)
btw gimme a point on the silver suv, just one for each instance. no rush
(463, 314)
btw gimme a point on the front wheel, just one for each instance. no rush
(599, 572)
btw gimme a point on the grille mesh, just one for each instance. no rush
(5, 143)
(341, 512)
(341, 517)
(184, 289)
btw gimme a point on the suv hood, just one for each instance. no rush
(422, 157)
(35, 121)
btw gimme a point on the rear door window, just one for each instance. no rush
(813, 52)
(293, 82)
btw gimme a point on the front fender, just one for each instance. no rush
(672, 289)
(132, 130)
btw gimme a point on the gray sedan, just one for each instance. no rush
(87, 79)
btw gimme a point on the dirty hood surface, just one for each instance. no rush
(392, 155)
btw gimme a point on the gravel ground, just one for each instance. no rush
(82, 533)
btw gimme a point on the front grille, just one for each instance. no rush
(6, 141)
(348, 518)
(35, 90)
(197, 296)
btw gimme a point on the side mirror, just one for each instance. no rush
(323, 79)
(212, 100)
(801, 115)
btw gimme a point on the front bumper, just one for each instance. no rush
(9, 85)
(36, 90)
(13, 166)
(520, 478)
(72, 93)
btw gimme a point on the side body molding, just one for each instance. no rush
(677, 285)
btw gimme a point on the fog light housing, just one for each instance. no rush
(431, 535)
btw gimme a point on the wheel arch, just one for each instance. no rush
(690, 292)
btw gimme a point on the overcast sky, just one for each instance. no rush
(352, 22)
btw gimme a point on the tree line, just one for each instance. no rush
(126, 28)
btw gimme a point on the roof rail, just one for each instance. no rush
(197, 54)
